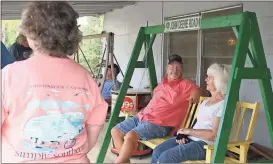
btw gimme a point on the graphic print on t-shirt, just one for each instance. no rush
(57, 125)
(47, 132)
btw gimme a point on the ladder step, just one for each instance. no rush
(253, 73)
(222, 21)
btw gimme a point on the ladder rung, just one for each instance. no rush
(154, 29)
(253, 73)
(222, 21)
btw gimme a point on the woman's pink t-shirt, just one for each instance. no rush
(46, 104)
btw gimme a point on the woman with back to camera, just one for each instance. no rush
(52, 109)
(189, 143)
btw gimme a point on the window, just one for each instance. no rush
(185, 45)
(218, 44)
(201, 48)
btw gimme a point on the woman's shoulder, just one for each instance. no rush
(219, 103)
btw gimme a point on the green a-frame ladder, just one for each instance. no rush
(245, 27)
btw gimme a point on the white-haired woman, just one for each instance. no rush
(189, 145)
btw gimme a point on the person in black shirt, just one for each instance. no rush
(20, 49)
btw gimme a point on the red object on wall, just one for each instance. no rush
(129, 104)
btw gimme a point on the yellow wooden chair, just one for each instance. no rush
(186, 123)
(240, 148)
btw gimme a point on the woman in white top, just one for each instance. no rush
(179, 149)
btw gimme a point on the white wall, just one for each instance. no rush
(126, 22)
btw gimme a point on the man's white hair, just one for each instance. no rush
(221, 73)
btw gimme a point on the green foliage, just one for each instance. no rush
(9, 31)
(92, 48)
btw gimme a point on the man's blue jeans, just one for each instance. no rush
(172, 152)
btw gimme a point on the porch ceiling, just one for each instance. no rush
(11, 10)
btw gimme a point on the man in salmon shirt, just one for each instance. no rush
(164, 112)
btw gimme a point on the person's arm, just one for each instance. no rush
(109, 101)
(195, 95)
(97, 116)
(191, 92)
(96, 123)
(6, 57)
(93, 132)
(4, 117)
(4, 110)
(13, 51)
(203, 133)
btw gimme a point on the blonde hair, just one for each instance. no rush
(221, 73)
